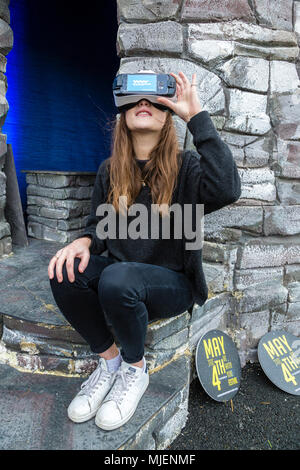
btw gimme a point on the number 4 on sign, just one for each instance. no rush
(215, 378)
(288, 377)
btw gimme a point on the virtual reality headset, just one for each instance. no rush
(130, 88)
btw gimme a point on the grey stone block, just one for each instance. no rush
(81, 192)
(286, 158)
(247, 73)
(51, 213)
(56, 181)
(247, 113)
(288, 192)
(134, 10)
(245, 218)
(42, 220)
(4, 11)
(172, 341)
(284, 110)
(63, 225)
(4, 229)
(245, 33)
(256, 324)
(75, 208)
(43, 232)
(72, 224)
(5, 246)
(31, 178)
(275, 14)
(154, 37)
(217, 11)
(2, 184)
(161, 329)
(282, 220)
(33, 344)
(269, 251)
(261, 296)
(6, 37)
(294, 291)
(278, 316)
(247, 277)
(293, 311)
(292, 273)
(215, 275)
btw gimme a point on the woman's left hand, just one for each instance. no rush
(188, 104)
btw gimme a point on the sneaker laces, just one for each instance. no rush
(97, 377)
(124, 379)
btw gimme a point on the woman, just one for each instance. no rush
(141, 279)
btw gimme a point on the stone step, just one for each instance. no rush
(34, 410)
(43, 361)
(35, 335)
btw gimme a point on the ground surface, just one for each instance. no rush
(262, 417)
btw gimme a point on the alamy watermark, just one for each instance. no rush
(188, 222)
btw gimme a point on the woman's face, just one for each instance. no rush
(145, 116)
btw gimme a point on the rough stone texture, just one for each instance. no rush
(58, 204)
(277, 14)
(147, 10)
(151, 38)
(216, 10)
(246, 57)
(6, 43)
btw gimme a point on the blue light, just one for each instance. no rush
(60, 85)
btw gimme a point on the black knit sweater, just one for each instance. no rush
(208, 176)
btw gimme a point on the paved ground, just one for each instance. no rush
(262, 417)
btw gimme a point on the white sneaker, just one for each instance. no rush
(123, 398)
(87, 402)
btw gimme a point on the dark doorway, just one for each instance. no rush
(59, 74)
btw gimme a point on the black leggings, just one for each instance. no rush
(123, 295)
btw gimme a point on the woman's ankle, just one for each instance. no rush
(110, 353)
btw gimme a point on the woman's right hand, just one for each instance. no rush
(77, 249)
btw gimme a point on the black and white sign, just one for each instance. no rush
(279, 357)
(218, 365)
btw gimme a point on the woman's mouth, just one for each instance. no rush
(143, 114)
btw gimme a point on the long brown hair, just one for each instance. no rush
(162, 169)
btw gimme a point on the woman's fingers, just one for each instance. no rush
(166, 102)
(182, 82)
(70, 268)
(51, 267)
(184, 79)
(59, 264)
(84, 261)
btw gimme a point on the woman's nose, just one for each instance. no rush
(143, 102)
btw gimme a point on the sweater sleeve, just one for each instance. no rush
(98, 245)
(212, 172)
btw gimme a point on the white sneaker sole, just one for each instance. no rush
(82, 419)
(111, 427)
(88, 416)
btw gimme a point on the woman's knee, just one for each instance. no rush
(118, 280)
(65, 281)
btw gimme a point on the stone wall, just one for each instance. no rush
(6, 43)
(246, 56)
(58, 204)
